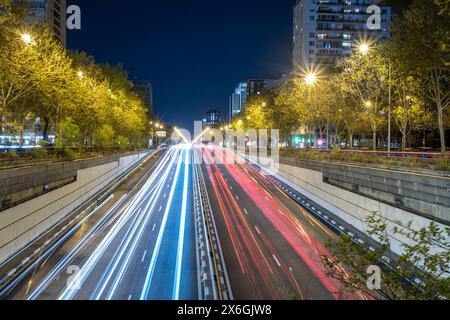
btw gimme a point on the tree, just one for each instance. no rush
(104, 136)
(351, 112)
(289, 111)
(365, 76)
(70, 134)
(420, 272)
(421, 43)
(409, 112)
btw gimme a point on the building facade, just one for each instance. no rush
(325, 31)
(213, 118)
(52, 12)
(145, 90)
(238, 100)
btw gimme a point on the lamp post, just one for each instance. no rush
(310, 80)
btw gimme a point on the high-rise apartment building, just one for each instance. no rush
(325, 31)
(52, 12)
(238, 100)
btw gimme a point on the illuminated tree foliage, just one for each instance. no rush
(39, 78)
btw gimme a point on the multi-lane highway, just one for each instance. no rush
(157, 238)
(142, 246)
(271, 245)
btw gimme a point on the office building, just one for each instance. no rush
(325, 31)
(213, 118)
(52, 12)
(145, 90)
(238, 100)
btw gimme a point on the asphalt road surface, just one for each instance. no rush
(138, 246)
(272, 246)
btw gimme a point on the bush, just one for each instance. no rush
(39, 153)
(69, 153)
(13, 155)
(443, 164)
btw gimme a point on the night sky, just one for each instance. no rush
(194, 52)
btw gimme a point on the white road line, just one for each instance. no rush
(143, 256)
(276, 260)
(160, 208)
(237, 198)
(257, 230)
(154, 227)
(165, 195)
(129, 297)
(245, 210)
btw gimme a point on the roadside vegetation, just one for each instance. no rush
(81, 103)
(352, 102)
(421, 272)
(355, 157)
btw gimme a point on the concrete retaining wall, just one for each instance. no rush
(349, 206)
(25, 222)
(423, 194)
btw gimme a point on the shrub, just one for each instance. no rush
(39, 153)
(443, 164)
(69, 153)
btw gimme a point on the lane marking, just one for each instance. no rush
(154, 227)
(143, 256)
(160, 208)
(257, 230)
(276, 260)
(245, 210)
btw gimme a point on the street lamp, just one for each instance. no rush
(80, 74)
(27, 39)
(311, 78)
(368, 104)
(364, 48)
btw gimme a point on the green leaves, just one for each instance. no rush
(77, 98)
(420, 272)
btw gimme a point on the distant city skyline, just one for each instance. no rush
(195, 51)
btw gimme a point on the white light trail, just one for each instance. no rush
(151, 270)
(176, 291)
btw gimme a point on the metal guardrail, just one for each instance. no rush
(215, 255)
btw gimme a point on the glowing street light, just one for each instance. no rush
(310, 78)
(181, 135)
(364, 48)
(27, 39)
(80, 74)
(368, 104)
